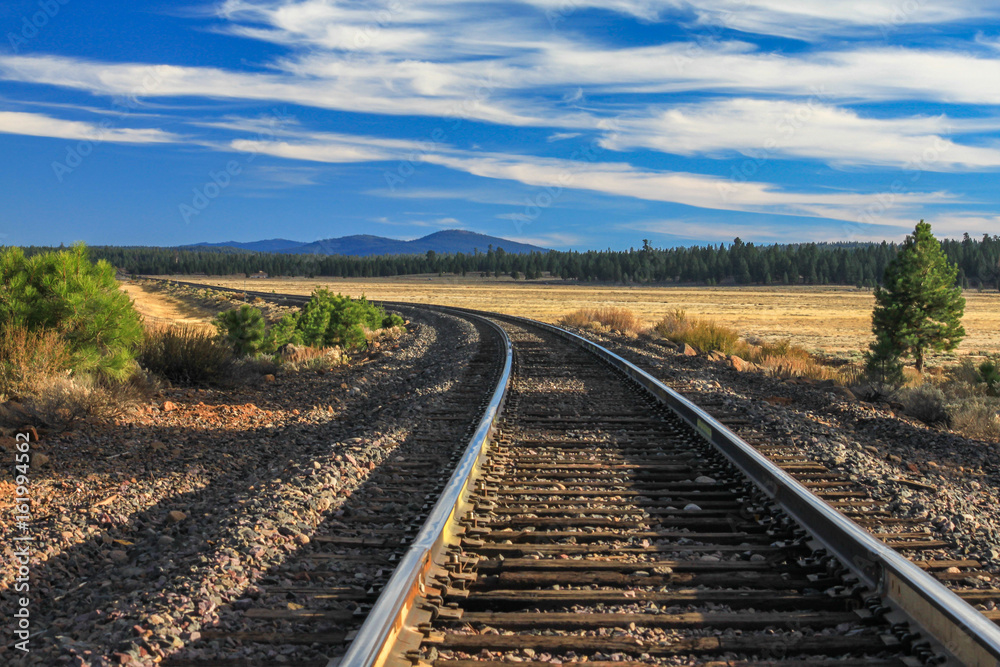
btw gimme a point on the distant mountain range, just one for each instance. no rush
(444, 242)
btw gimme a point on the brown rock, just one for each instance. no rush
(843, 392)
(739, 364)
(689, 350)
(715, 355)
(39, 459)
(176, 516)
(168, 406)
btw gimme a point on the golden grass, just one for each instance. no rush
(158, 308)
(613, 318)
(831, 319)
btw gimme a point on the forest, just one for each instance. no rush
(858, 264)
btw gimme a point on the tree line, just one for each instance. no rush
(859, 264)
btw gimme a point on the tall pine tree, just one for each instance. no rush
(920, 307)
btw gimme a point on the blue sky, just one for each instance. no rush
(565, 123)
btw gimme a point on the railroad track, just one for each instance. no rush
(601, 524)
(315, 601)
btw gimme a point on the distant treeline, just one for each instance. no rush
(859, 264)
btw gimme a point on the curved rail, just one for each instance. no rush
(954, 624)
(385, 620)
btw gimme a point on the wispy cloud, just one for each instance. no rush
(40, 125)
(807, 129)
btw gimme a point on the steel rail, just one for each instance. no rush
(957, 626)
(949, 620)
(385, 620)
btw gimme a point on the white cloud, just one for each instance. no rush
(556, 175)
(40, 125)
(765, 129)
(561, 136)
(802, 19)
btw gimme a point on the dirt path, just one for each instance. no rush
(158, 307)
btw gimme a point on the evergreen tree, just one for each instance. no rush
(920, 307)
(243, 328)
(65, 292)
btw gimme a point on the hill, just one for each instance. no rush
(449, 241)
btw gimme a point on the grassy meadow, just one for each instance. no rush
(833, 320)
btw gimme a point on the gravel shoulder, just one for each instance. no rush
(149, 530)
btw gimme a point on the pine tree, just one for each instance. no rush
(920, 306)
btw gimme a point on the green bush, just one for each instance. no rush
(186, 355)
(989, 374)
(333, 319)
(243, 327)
(281, 333)
(392, 320)
(67, 293)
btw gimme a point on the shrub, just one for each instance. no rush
(989, 374)
(611, 317)
(977, 418)
(281, 333)
(705, 335)
(243, 327)
(28, 357)
(333, 319)
(65, 292)
(925, 402)
(392, 320)
(185, 355)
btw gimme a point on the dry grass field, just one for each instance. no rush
(156, 307)
(834, 320)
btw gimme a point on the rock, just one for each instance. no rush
(691, 507)
(165, 541)
(704, 480)
(176, 516)
(843, 392)
(741, 365)
(39, 459)
(168, 406)
(689, 351)
(118, 556)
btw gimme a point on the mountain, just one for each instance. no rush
(445, 242)
(270, 245)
